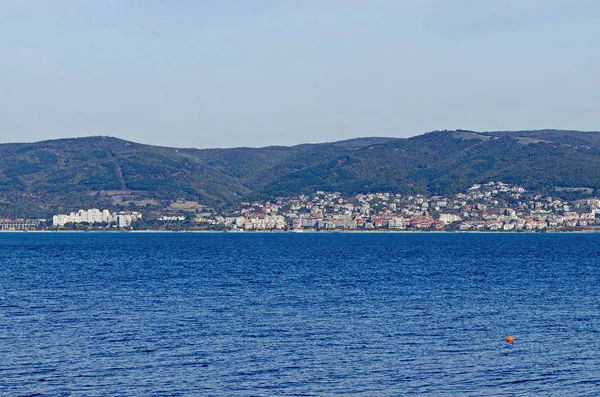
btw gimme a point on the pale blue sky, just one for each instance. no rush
(224, 73)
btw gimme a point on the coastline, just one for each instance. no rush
(583, 231)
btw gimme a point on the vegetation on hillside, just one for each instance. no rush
(38, 179)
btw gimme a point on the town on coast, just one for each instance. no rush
(493, 206)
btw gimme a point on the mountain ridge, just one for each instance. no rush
(40, 178)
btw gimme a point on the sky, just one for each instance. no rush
(228, 73)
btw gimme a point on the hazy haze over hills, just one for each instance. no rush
(257, 73)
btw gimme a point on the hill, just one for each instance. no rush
(38, 179)
(444, 162)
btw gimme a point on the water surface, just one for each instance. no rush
(225, 314)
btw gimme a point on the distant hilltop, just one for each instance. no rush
(60, 176)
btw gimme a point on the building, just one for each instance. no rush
(95, 216)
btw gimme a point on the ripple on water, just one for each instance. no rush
(299, 314)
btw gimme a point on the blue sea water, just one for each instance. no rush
(225, 314)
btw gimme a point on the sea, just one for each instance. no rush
(299, 314)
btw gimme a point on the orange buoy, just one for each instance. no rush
(509, 339)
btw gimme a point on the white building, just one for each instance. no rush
(171, 218)
(449, 218)
(269, 222)
(125, 219)
(91, 216)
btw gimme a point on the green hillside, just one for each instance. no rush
(445, 162)
(38, 179)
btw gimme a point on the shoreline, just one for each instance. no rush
(584, 231)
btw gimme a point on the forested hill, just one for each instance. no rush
(37, 179)
(445, 162)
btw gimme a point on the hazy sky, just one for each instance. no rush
(223, 73)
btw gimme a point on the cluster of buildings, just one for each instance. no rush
(266, 222)
(95, 216)
(7, 224)
(494, 206)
